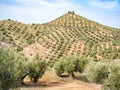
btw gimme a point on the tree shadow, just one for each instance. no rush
(82, 78)
(42, 84)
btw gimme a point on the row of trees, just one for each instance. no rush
(105, 72)
(14, 68)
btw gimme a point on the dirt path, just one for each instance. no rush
(75, 85)
(51, 82)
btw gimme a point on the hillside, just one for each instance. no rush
(69, 34)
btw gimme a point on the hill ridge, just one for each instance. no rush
(69, 34)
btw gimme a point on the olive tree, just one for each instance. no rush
(113, 80)
(70, 64)
(36, 68)
(80, 63)
(8, 73)
(21, 67)
(97, 72)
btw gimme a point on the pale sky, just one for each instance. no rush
(106, 12)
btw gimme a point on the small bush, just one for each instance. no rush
(96, 72)
(36, 68)
(113, 80)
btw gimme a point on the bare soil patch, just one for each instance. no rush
(51, 82)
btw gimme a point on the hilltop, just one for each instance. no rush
(69, 34)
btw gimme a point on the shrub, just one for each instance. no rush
(8, 71)
(96, 72)
(59, 68)
(70, 64)
(113, 80)
(36, 68)
(80, 63)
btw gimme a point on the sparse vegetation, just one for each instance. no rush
(69, 34)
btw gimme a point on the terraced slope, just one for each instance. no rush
(69, 34)
(16, 33)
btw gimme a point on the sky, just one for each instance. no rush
(106, 12)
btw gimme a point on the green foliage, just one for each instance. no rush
(21, 67)
(96, 72)
(113, 80)
(9, 77)
(70, 64)
(59, 68)
(36, 68)
(80, 63)
(106, 72)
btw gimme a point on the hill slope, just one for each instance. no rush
(69, 34)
